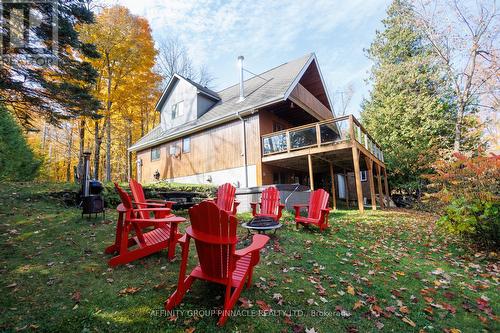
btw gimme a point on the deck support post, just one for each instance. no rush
(369, 164)
(346, 186)
(387, 194)
(332, 176)
(311, 176)
(380, 192)
(357, 176)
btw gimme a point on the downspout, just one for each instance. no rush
(245, 160)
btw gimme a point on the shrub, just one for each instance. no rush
(468, 188)
(17, 160)
(152, 190)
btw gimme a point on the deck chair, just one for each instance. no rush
(214, 234)
(140, 201)
(225, 198)
(269, 205)
(317, 210)
(130, 248)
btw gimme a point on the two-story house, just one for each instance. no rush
(275, 127)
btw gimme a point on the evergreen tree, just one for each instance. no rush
(55, 91)
(408, 111)
(17, 161)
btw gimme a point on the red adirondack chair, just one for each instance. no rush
(140, 200)
(143, 243)
(225, 198)
(214, 234)
(269, 205)
(317, 210)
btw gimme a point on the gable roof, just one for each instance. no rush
(266, 88)
(171, 84)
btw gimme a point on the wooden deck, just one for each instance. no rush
(333, 144)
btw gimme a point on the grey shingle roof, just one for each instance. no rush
(268, 87)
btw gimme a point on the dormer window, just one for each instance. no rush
(177, 110)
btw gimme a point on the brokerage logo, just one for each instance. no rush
(29, 31)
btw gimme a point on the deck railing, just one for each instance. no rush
(331, 131)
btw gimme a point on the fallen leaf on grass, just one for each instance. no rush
(12, 285)
(350, 290)
(379, 325)
(449, 295)
(245, 303)
(159, 286)
(390, 309)
(376, 310)
(408, 321)
(129, 290)
(76, 296)
(404, 309)
(263, 306)
(357, 305)
(449, 307)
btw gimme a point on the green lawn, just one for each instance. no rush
(388, 271)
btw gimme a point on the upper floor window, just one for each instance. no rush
(177, 110)
(364, 176)
(186, 145)
(173, 149)
(155, 154)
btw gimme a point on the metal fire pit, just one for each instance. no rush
(91, 194)
(261, 224)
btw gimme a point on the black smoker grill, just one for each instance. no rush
(91, 196)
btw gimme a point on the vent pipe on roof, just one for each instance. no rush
(240, 65)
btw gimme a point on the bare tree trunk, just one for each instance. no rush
(44, 138)
(142, 120)
(50, 159)
(458, 128)
(108, 148)
(68, 153)
(129, 154)
(81, 148)
(108, 122)
(97, 152)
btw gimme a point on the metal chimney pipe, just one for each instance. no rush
(86, 173)
(240, 65)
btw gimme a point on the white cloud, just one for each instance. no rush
(267, 32)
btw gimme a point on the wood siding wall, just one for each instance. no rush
(217, 148)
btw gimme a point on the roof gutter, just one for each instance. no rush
(218, 121)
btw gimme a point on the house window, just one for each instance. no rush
(364, 176)
(186, 145)
(177, 110)
(173, 149)
(277, 127)
(155, 154)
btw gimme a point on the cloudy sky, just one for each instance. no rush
(269, 33)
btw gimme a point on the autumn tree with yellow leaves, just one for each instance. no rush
(127, 86)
